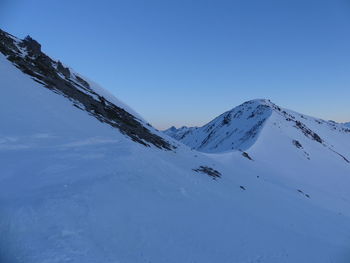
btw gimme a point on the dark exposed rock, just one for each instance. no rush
(227, 119)
(82, 82)
(206, 140)
(63, 70)
(8, 44)
(307, 132)
(302, 127)
(42, 69)
(306, 195)
(307, 155)
(209, 171)
(246, 155)
(260, 109)
(238, 114)
(31, 45)
(297, 144)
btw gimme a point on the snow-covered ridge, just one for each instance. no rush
(235, 129)
(27, 56)
(179, 133)
(240, 129)
(74, 189)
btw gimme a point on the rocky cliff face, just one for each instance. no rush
(27, 56)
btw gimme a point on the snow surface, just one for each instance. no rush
(73, 189)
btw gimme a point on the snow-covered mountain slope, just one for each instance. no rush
(235, 129)
(75, 187)
(347, 124)
(27, 56)
(260, 122)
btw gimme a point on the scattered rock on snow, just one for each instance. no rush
(297, 144)
(306, 195)
(246, 155)
(209, 171)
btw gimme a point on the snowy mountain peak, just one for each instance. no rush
(74, 187)
(179, 133)
(258, 103)
(266, 102)
(261, 123)
(85, 95)
(174, 129)
(235, 129)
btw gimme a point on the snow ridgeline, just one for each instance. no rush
(27, 56)
(240, 128)
(76, 189)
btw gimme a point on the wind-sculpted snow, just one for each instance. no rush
(27, 56)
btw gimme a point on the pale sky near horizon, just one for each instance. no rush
(184, 62)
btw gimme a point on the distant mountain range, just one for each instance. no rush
(83, 178)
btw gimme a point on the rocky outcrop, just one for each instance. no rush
(27, 56)
(209, 171)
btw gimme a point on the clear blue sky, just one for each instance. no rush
(183, 62)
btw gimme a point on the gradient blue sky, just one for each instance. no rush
(184, 62)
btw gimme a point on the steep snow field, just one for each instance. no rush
(74, 189)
